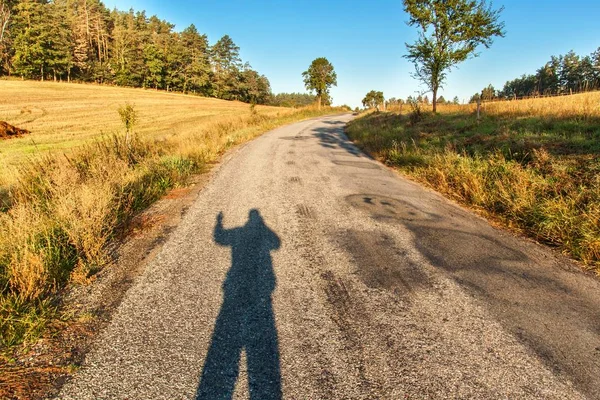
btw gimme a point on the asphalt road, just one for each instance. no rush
(306, 270)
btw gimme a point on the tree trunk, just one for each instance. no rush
(87, 19)
(99, 43)
(42, 72)
(319, 101)
(435, 100)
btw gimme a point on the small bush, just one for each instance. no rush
(129, 118)
(416, 115)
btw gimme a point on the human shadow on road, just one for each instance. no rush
(246, 320)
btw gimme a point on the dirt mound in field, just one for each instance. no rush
(8, 131)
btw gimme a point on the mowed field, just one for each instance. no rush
(61, 116)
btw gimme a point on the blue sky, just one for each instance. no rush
(365, 40)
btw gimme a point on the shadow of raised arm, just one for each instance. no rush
(222, 236)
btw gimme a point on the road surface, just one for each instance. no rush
(306, 270)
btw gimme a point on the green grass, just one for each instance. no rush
(24, 319)
(537, 174)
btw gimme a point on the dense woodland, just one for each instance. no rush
(82, 40)
(566, 74)
(292, 99)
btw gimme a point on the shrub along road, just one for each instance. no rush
(307, 270)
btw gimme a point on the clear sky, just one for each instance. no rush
(365, 40)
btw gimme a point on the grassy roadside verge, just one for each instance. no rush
(62, 211)
(538, 173)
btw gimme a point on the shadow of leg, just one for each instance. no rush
(262, 350)
(221, 367)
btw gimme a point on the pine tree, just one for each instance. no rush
(595, 56)
(155, 65)
(60, 51)
(226, 64)
(32, 40)
(569, 77)
(488, 93)
(127, 49)
(197, 73)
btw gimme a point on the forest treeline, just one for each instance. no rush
(82, 40)
(565, 74)
(292, 99)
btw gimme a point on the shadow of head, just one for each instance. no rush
(254, 218)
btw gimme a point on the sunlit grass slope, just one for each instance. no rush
(73, 185)
(532, 164)
(61, 115)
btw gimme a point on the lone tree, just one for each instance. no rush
(373, 99)
(319, 77)
(450, 31)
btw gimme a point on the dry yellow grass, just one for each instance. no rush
(582, 105)
(533, 164)
(74, 183)
(61, 116)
